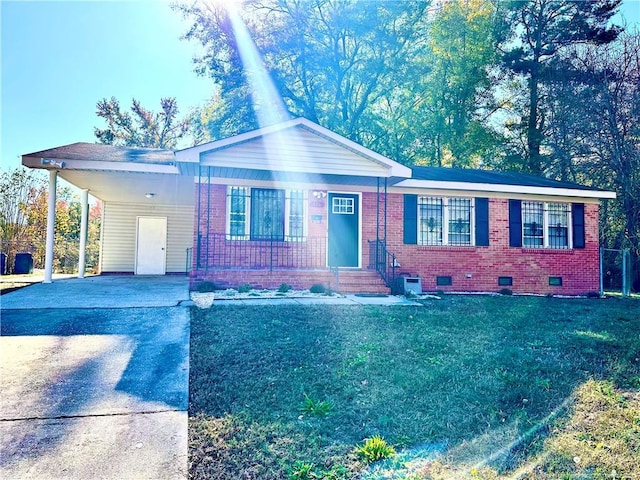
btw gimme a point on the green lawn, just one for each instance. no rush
(464, 387)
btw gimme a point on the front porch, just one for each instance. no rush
(267, 264)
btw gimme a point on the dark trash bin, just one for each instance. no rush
(23, 263)
(3, 263)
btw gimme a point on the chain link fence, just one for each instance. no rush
(615, 271)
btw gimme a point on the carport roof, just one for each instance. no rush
(107, 153)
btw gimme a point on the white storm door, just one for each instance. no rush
(151, 245)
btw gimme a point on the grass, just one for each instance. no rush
(465, 387)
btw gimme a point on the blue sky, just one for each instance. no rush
(60, 58)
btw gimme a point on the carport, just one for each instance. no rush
(143, 182)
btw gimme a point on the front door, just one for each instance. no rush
(344, 231)
(151, 245)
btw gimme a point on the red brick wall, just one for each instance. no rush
(473, 269)
(476, 269)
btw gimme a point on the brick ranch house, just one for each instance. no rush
(296, 203)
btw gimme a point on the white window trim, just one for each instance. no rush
(247, 213)
(445, 223)
(545, 226)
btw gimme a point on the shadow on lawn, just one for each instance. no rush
(483, 375)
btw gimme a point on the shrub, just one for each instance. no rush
(314, 407)
(245, 288)
(317, 288)
(409, 294)
(593, 294)
(506, 291)
(374, 449)
(284, 288)
(204, 287)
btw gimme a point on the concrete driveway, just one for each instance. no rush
(94, 379)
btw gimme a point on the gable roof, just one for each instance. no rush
(492, 181)
(297, 145)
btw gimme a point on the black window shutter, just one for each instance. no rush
(515, 223)
(410, 219)
(482, 222)
(577, 219)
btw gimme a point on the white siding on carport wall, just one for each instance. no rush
(119, 234)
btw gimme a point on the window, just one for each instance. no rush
(459, 221)
(295, 215)
(444, 281)
(532, 218)
(558, 225)
(444, 221)
(265, 214)
(505, 281)
(342, 206)
(555, 281)
(237, 214)
(545, 225)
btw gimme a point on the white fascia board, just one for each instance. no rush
(515, 189)
(36, 162)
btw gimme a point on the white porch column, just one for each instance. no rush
(84, 225)
(51, 224)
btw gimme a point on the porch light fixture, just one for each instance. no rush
(150, 195)
(319, 193)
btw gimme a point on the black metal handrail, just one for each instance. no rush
(384, 262)
(217, 250)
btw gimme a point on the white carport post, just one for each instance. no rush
(84, 223)
(51, 224)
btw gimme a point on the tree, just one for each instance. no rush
(457, 94)
(17, 190)
(141, 127)
(539, 31)
(348, 65)
(614, 106)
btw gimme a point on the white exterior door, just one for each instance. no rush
(151, 245)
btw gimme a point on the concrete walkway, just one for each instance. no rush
(91, 387)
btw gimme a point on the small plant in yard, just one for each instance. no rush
(206, 287)
(308, 471)
(315, 407)
(506, 291)
(245, 288)
(284, 288)
(409, 295)
(302, 471)
(374, 449)
(317, 288)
